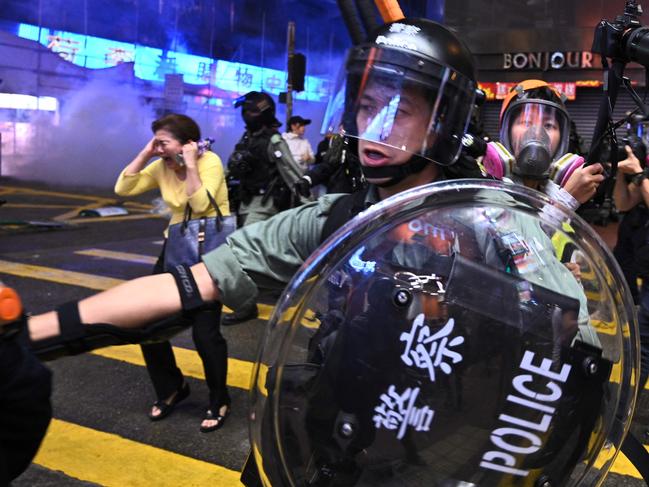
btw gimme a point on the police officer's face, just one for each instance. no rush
(167, 147)
(392, 124)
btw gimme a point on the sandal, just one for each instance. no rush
(167, 407)
(220, 420)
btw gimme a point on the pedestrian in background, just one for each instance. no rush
(300, 146)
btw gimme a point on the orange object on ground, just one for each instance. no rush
(10, 305)
(389, 10)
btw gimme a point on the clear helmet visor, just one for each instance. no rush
(437, 339)
(537, 133)
(396, 112)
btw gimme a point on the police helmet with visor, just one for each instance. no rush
(257, 110)
(410, 88)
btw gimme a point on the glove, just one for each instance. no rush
(302, 187)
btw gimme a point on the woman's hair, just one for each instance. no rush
(182, 127)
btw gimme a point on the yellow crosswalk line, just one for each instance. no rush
(72, 278)
(623, 466)
(139, 216)
(188, 361)
(40, 206)
(95, 456)
(124, 256)
(58, 194)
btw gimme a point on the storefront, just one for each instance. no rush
(577, 74)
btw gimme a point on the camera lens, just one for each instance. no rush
(637, 45)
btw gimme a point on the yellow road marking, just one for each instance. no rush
(188, 361)
(604, 327)
(95, 202)
(39, 206)
(103, 458)
(124, 256)
(72, 278)
(623, 466)
(139, 216)
(68, 215)
(137, 204)
(58, 194)
(100, 457)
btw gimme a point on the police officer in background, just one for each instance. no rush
(339, 171)
(263, 165)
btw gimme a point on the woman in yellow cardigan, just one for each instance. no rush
(183, 181)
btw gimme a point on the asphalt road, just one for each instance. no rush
(101, 434)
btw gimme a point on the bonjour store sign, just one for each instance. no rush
(546, 61)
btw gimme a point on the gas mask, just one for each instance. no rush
(536, 132)
(533, 154)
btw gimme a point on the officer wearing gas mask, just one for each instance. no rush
(263, 165)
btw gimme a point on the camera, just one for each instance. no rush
(634, 138)
(623, 39)
(637, 146)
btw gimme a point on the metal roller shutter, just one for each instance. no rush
(584, 111)
(490, 115)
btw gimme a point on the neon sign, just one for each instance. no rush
(152, 64)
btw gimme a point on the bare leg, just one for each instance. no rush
(130, 305)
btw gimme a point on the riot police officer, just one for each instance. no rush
(265, 169)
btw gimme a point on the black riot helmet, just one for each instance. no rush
(409, 89)
(258, 110)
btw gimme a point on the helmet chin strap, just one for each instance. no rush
(395, 174)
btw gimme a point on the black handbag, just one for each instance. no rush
(191, 238)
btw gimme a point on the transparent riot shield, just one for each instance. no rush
(462, 333)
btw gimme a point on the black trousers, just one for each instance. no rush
(211, 347)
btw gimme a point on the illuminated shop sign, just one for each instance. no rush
(498, 91)
(546, 61)
(152, 64)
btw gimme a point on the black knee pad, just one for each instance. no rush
(190, 296)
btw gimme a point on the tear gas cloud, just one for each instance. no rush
(101, 127)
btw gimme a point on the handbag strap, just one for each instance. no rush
(187, 216)
(219, 215)
(201, 235)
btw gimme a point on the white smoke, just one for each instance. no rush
(101, 128)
